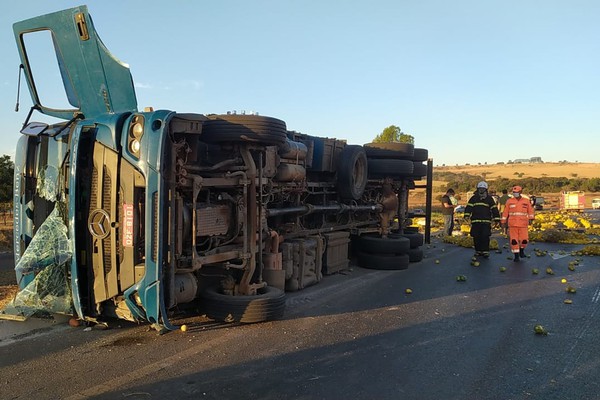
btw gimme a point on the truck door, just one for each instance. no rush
(95, 82)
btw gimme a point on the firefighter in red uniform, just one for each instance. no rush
(517, 215)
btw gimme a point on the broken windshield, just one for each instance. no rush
(47, 257)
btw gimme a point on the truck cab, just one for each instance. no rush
(131, 213)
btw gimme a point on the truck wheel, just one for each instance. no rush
(420, 155)
(268, 305)
(378, 245)
(415, 255)
(416, 239)
(390, 150)
(419, 169)
(390, 167)
(352, 173)
(383, 261)
(244, 128)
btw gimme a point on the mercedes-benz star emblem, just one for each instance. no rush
(99, 224)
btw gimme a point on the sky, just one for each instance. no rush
(473, 81)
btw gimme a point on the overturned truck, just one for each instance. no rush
(125, 213)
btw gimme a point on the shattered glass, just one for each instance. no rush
(47, 183)
(48, 257)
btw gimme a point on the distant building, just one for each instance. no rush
(528, 160)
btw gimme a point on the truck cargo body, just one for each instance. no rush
(574, 200)
(135, 213)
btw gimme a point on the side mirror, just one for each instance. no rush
(34, 128)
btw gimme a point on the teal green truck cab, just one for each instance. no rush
(128, 213)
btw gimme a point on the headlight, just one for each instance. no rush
(134, 146)
(137, 130)
(134, 135)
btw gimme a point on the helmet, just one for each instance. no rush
(517, 189)
(482, 184)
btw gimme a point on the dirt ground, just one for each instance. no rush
(8, 280)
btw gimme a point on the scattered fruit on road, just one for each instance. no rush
(461, 278)
(183, 328)
(563, 280)
(549, 271)
(502, 269)
(408, 291)
(540, 330)
(535, 271)
(568, 301)
(571, 289)
(74, 322)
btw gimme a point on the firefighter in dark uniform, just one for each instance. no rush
(482, 211)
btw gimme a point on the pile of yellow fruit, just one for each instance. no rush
(564, 227)
(563, 220)
(589, 250)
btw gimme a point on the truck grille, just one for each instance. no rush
(107, 206)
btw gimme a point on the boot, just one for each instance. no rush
(522, 253)
(516, 257)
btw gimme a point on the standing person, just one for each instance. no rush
(494, 196)
(448, 203)
(482, 210)
(532, 200)
(502, 200)
(390, 208)
(518, 215)
(501, 203)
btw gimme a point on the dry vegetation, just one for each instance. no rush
(510, 171)
(529, 170)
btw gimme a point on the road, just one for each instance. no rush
(356, 335)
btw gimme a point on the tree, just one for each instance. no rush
(7, 169)
(393, 134)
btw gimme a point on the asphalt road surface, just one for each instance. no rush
(356, 335)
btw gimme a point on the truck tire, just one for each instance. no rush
(266, 306)
(411, 229)
(383, 261)
(415, 255)
(390, 167)
(378, 245)
(419, 169)
(399, 150)
(420, 155)
(244, 128)
(416, 239)
(352, 173)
